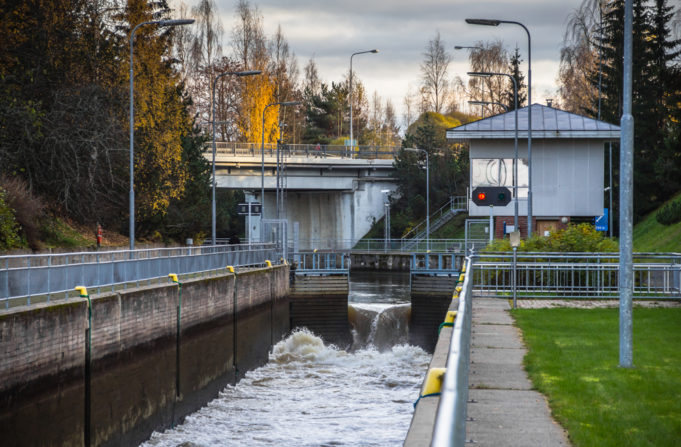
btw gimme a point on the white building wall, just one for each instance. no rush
(567, 176)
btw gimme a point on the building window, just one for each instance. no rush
(499, 172)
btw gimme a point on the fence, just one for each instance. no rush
(450, 421)
(576, 275)
(55, 275)
(304, 150)
(394, 245)
(321, 263)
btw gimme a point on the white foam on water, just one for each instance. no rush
(311, 394)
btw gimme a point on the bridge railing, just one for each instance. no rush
(391, 245)
(52, 276)
(303, 150)
(450, 420)
(321, 263)
(576, 275)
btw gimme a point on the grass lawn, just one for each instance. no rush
(650, 235)
(573, 357)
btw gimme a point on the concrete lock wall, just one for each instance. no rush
(142, 376)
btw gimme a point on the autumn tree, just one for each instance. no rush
(249, 45)
(160, 119)
(580, 58)
(491, 57)
(60, 105)
(434, 74)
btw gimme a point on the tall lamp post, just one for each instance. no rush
(215, 81)
(159, 23)
(410, 149)
(262, 151)
(484, 74)
(494, 22)
(352, 143)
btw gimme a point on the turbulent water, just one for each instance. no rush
(311, 394)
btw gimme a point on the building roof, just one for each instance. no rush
(547, 122)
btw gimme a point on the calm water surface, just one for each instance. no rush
(311, 394)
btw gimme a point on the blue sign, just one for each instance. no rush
(602, 221)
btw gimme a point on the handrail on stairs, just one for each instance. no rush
(455, 203)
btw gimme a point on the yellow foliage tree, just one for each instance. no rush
(160, 118)
(257, 93)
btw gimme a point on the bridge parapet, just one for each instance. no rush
(234, 149)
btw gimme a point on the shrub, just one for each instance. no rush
(669, 213)
(28, 209)
(574, 238)
(9, 228)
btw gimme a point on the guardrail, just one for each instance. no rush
(576, 275)
(450, 421)
(321, 263)
(392, 245)
(49, 276)
(303, 150)
(434, 263)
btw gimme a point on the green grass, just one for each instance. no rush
(57, 233)
(454, 229)
(573, 359)
(652, 236)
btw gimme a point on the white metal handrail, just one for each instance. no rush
(450, 420)
(51, 275)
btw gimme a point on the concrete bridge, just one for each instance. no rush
(329, 193)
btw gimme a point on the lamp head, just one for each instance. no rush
(486, 22)
(374, 51)
(479, 74)
(248, 73)
(175, 22)
(290, 103)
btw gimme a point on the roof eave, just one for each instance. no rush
(544, 134)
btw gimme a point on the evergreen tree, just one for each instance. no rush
(653, 54)
(514, 69)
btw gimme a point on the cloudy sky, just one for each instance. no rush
(330, 31)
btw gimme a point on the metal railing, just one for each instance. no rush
(304, 150)
(409, 246)
(450, 420)
(577, 275)
(52, 276)
(446, 211)
(321, 263)
(435, 263)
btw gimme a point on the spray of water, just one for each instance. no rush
(311, 394)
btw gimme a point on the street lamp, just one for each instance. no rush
(427, 193)
(352, 144)
(489, 103)
(262, 151)
(386, 220)
(483, 74)
(160, 23)
(494, 22)
(215, 81)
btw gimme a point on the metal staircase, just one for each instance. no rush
(438, 219)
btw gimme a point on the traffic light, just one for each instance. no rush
(491, 195)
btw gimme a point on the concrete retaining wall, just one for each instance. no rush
(142, 375)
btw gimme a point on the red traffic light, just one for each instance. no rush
(491, 195)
